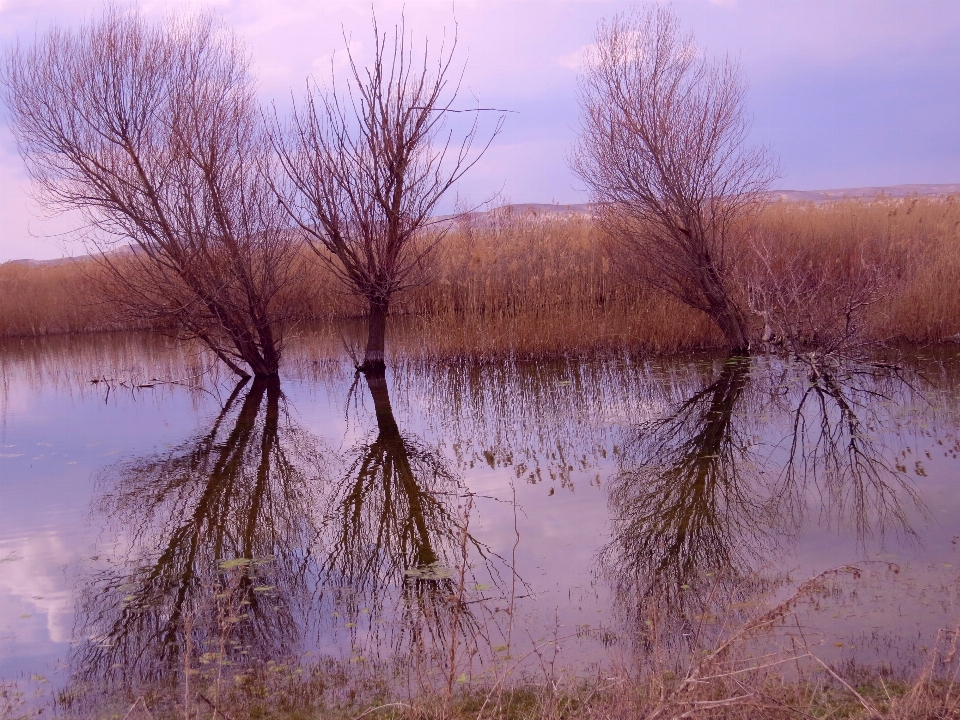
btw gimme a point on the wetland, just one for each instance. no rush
(457, 527)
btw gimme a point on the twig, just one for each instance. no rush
(708, 704)
(885, 691)
(513, 567)
(863, 701)
(433, 109)
(502, 597)
(139, 700)
(516, 664)
(777, 702)
(216, 708)
(750, 668)
(458, 607)
(381, 707)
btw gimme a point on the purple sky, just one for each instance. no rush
(847, 92)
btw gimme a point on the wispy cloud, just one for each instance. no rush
(576, 59)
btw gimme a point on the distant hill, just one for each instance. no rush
(41, 263)
(546, 209)
(122, 250)
(814, 196)
(891, 191)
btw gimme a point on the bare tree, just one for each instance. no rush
(369, 164)
(663, 149)
(153, 133)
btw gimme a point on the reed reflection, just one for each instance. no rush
(217, 531)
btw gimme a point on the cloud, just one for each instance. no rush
(576, 59)
(32, 582)
(523, 55)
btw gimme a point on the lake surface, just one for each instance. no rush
(450, 515)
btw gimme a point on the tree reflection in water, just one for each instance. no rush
(244, 538)
(218, 530)
(835, 443)
(701, 504)
(395, 529)
(687, 507)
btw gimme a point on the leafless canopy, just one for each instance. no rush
(153, 132)
(368, 165)
(663, 149)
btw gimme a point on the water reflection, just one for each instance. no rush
(707, 495)
(687, 500)
(549, 422)
(395, 532)
(217, 531)
(267, 535)
(252, 542)
(840, 443)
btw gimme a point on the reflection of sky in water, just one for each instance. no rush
(54, 441)
(554, 434)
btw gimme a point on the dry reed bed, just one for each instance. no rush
(908, 249)
(531, 285)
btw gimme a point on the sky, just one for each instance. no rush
(847, 93)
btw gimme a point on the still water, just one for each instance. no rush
(452, 514)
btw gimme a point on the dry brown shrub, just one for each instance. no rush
(52, 298)
(824, 276)
(530, 284)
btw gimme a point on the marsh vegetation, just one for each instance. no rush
(521, 283)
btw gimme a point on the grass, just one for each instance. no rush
(270, 698)
(531, 285)
(734, 688)
(742, 665)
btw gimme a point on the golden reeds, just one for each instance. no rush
(51, 298)
(526, 284)
(905, 252)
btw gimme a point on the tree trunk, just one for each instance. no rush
(270, 349)
(376, 334)
(263, 360)
(734, 327)
(724, 311)
(262, 357)
(264, 364)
